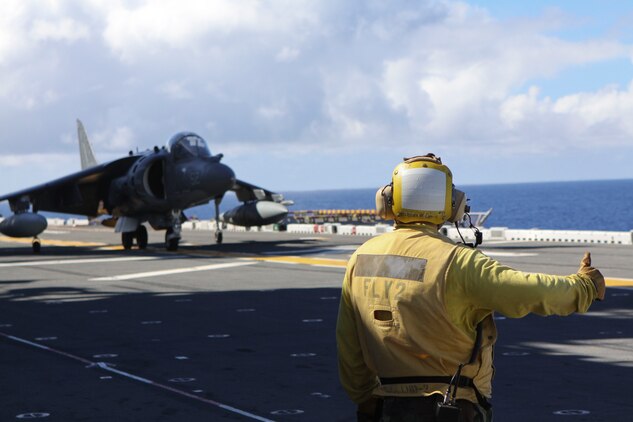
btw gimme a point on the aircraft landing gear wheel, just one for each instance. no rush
(141, 237)
(218, 238)
(171, 243)
(127, 239)
(37, 245)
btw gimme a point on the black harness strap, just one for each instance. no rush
(477, 346)
(463, 381)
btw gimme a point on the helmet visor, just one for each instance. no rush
(423, 189)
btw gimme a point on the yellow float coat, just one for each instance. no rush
(410, 304)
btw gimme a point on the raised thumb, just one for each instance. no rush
(586, 261)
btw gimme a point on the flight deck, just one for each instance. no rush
(245, 331)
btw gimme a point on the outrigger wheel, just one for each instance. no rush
(37, 245)
(218, 237)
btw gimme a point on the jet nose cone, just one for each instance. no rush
(218, 178)
(227, 174)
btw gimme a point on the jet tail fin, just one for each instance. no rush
(85, 150)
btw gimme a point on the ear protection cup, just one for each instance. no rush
(384, 202)
(458, 208)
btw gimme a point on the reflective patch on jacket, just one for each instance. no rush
(390, 266)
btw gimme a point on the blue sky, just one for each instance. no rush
(303, 95)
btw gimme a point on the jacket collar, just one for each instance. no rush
(422, 226)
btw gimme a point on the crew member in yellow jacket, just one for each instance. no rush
(416, 307)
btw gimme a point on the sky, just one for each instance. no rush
(324, 94)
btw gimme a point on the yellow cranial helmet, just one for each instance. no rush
(421, 191)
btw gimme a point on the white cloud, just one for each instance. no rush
(176, 90)
(61, 30)
(37, 160)
(120, 139)
(465, 81)
(158, 24)
(26, 24)
(271, 112)
(403, 90)
(312, 77)
(21, 91)
(584, 119)
(12, 41)
(596, 107)
(287, 54)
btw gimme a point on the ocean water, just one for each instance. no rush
(587, 205)
(583, 205)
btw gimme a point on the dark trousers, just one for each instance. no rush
(422, 409)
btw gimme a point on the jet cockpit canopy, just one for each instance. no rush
(187, 145)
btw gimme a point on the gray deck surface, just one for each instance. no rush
(254, 340)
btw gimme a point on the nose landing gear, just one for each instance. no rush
(172, 235)
(218, 227)
(171, 240)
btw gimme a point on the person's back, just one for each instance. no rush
(416, 309)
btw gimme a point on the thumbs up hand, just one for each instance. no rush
(585, 262)
(594, 274)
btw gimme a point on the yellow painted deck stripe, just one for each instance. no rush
(50, 242)
(303, 260)
(285, 259)
(112, 248)
(618, 282)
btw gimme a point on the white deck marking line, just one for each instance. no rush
(173, 271)
(498, 253)
(329, 266)
(75, 261)
(48, 349)
(105, 367)
(338, 249)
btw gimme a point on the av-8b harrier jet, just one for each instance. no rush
(154, 186)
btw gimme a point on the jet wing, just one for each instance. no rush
(246, 192)
(77, 193)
